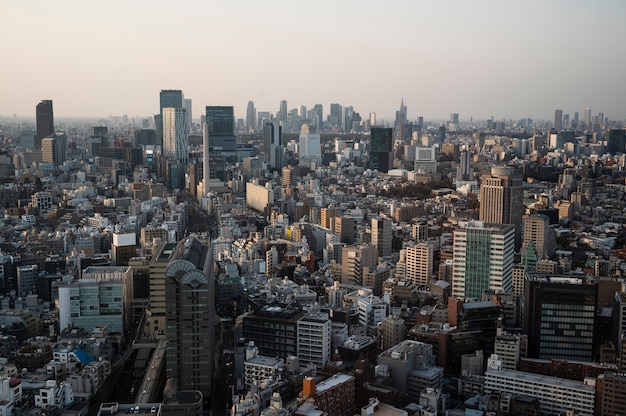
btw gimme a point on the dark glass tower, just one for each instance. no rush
(560, 318)
(45, 121)
(190, 316)
(381, 147)
(221, 125)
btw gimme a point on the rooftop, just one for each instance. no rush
(536, 378)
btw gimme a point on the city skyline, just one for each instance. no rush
(478, 59)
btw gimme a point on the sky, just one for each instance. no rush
(478, 58)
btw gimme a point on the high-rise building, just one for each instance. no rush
(175, 134)
(45, 121)
(560, 316)
(273, 144)
(537, 232)
(419, 263)
(319, 111)
(187, 106)
(501, 199)
(558, 120)
(167, 99)
(251, 117)
(587, 117)
(345, 227)
(221, 128)
(465, 171)
(282, 111)
(381, 149)
(327, 217)
(483, 259)
(314, 338)
(354, 260)
(336, 115)
(381, 235)
(190, 312)
(54, 149)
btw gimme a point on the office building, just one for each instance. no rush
(175, 134)
(381, 235)
(167, 99)
(221, 129)
(558, 120)
(273, 329)
(103, 297)
(310, 147)
(483, 259)
(501, 199)
(314, 335)
(560, 316)
(187, 105)
(354, 259)
(616, 141)
(282, 111)
(587, 117)
(327, 217)
(123, 248)
(537, 232)
(54, 149)
(336, 116)
(465, 171)
(556, 395)
(411, 367)
(273, 145)
(190, 316)
(381, 149)
(251, 125)
(510, 348)
(345, 226)
(259, 198)
(391, 332)
(45, 121)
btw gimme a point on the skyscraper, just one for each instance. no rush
(251, 117)
(272, 144)
(336, 115)
(221, 128)
(587, 117)
(558, 120)
(187, 107)
(483, 259)
(381, 235)
(282, 112)
(381, 146)
(537, 232)
(189, 313)
(501, 199)
(175, 138)
(45, 121)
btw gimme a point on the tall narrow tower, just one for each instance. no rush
(45, 121)
(189, 316)
(501, 199)
(205, 159)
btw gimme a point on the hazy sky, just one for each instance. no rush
(506, 59)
